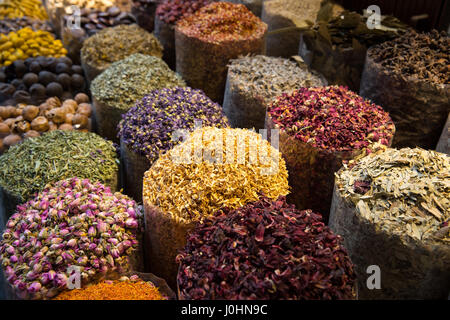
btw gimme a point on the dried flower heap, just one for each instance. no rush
(72, 223)
(265, 250)
(147, 128)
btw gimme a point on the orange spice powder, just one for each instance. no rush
(114, 290)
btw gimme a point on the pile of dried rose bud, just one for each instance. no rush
(72, 223)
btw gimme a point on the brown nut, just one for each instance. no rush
(18, 112)
(4, 112)
(40, 124)
(65, 126)
(56, 115)
(52, 126)
(18, 119)
(43, 108)
(53, 102)
(2, 148)
(30, 112)
(85, 109)
(22, 126)
(11, 140)
(5, 130)
(80, 121)
(81, 98)
(21, 105)
(31, 134)
(11, 111)
(69, 117)
(69, 107)
(10, 122)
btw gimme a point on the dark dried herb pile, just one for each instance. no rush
(332, 118)
(423, 56)
(147, 127)
(29, 166)
(265, 250)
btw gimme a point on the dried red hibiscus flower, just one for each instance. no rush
(265, 250)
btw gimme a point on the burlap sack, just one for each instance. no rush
(145, 17)
(165, 33)
(204, 65)
(107, 118)
(443, 144)
(72, 40)
(134, 167)
(90, 70)
(164, 237)
(410, 269)
(418, 108)
(311, 171)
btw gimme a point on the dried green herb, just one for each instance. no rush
(29, 166)
(252, 82)
(392, 207)
(130, 79)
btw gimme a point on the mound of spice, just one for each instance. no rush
(285, 19)
(320, 128)
(29, 166)
(20, 8)
(29, 121)
(73, 223)
(336, 47)
(117, 89)
(252, 82)
(254, 6)
(412, 82)
(167, 15)
(122, 289)
(147, 128)
(392, 208)
(28, 43)
(207, 39)
(8, 25)
(182, 187)
(114, 44)
(265, 250)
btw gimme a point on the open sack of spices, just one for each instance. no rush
(319, 129)
(253, 81)
(150, 127)
(35, 79)
(167, 15)
(410, 77)
(113, 44)
(209, 38)
(91, 21)
(27, 167)
(183, 187)
(28, 121)
(265, 250)
(118, 88)
(137, 286)
(336, 46)
(71, 226)
(392, 207)
(286, 19)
